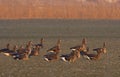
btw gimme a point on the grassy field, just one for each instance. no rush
(71, 32)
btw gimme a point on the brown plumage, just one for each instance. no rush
(35, 51)
(24, 53)
(56, 48)
(71, 57)
(53, 53)
(82, 47)
(21, 50)
(29, 44)
(51, 56)
(92, 56)
(23, 56)
(103, 49)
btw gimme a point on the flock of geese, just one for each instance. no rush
(53, 54)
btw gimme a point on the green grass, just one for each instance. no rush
(71, 33)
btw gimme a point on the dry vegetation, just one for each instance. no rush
(58, 9)
(71, 32)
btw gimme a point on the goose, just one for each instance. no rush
(11, 52)
(71, 57)
(53, 53)
(83, 46)
(92, 56)
(56, 48)
(24, 56)
(7, 49)
(51, 56)
(41, 43)
(21, 49)
(24, 53)
(35, 51)
(103, 49)
(29, 44)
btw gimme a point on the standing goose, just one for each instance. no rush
(83, 46)
(35, 51)
(103, 49)
(21, 49)
(7, 49)
(53, 53)
(56, 48)
(29, 44)
(41, 43)
(28, 49)
(24, 53)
